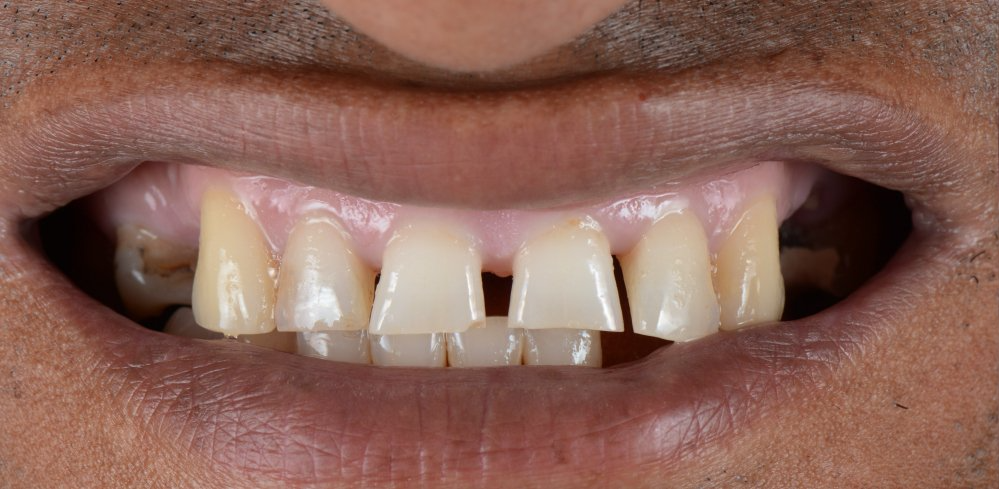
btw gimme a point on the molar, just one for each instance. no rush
(151, 273)
(233, 286)
(322, 284)
(431, 282)
(668, 279)
(490, 344)
(564, 278)
(747, 269)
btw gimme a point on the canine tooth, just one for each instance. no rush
(562, 347)
(233, 286)
(668, 278)
(431, 281)
(152, 273)
(339, 346)
(322, 285)
(181, 323)
(409, 350)
(565, 279)
(747, 269)
(486, 345)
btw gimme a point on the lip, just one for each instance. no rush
(300, 420)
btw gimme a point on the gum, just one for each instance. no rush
(165, 198)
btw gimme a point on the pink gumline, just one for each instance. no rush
(165, 198)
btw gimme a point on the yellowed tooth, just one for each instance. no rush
(338, 346)
(578, 347)
(409, 350)
(565, 279)
(152, 273)
(490, 344)
(322, 286)
(747, 269)
(668, 279)
(431, 281)
(233, 284)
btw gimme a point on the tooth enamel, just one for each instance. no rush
(431, 281)
(565, 279)
(562, 347)
(181, 323)
(668, 279)
(747, 269)
(151, 273)
(409, 350)
(339, 346)
(486, 345)
(322, 285)
(275, 340)
(233, 286)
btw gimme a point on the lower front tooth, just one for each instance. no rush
(579, 347)
(490, 344)
(747, 269)
(409, 350)
(151, 273)
(233, 286)
(338, 346)
(181, 323)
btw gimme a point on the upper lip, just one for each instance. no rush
(535, 147)
(298, 419)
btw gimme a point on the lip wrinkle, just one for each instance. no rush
(581, 140)
(294, 419)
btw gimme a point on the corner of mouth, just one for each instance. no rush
(360, 421)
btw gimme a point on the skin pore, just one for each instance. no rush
(917, 407)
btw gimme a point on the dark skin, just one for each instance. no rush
(916, 408)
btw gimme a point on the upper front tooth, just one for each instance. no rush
(431, 281)
(565, 279)
(668, 279)
(748, 278)
(151, 273)
(322, 286)
(233, 285)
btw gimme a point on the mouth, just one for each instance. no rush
(527, 180)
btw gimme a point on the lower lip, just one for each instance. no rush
(265, 414)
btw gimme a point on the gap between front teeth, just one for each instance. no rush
(428, 308)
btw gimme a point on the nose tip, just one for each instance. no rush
(472, 35)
